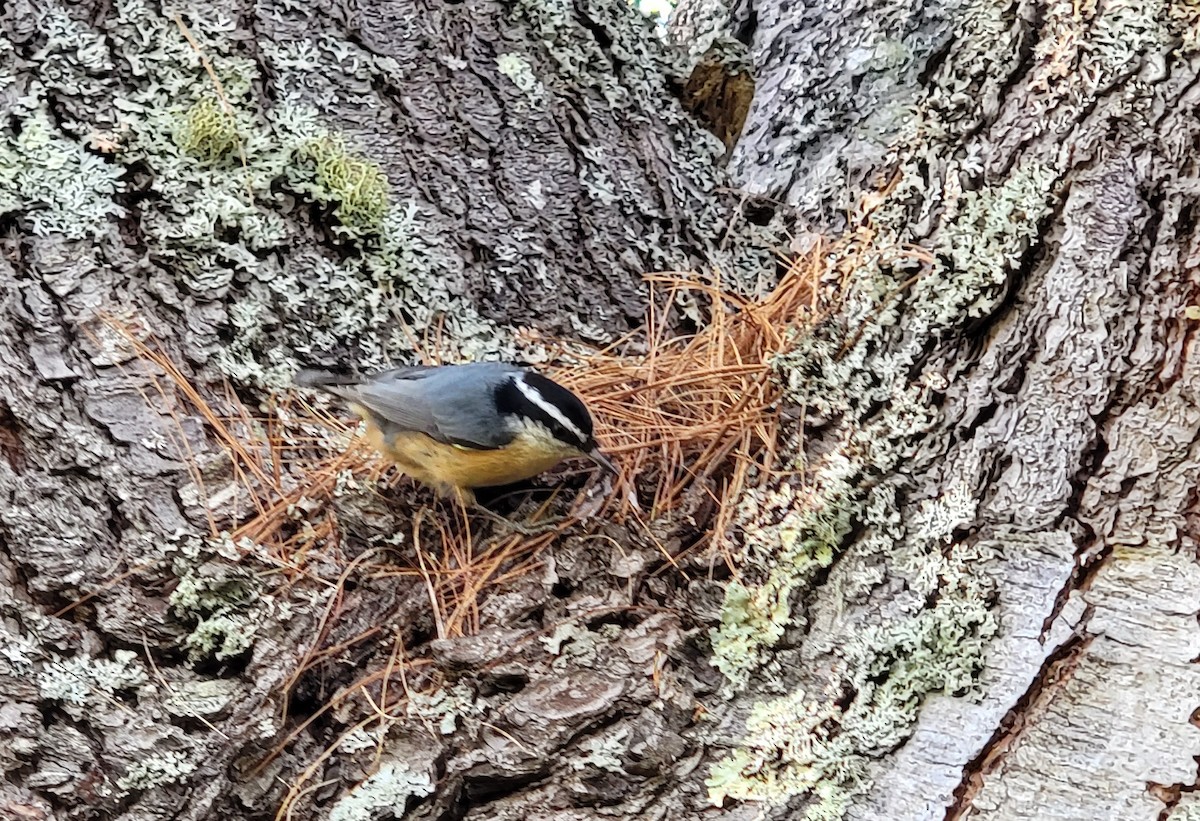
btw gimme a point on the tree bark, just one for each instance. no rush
(207, 186)
(1014, 410)
(971, 591)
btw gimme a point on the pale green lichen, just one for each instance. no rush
(224, 608)
(625, 72)
(155, 770)
(1188, 809)
(798, 745)
(753, 619)
(84, 680)
(357, 186)
(985, 234)
(575, 644)
(209, 132)
(890, 666)
(795, 750)
(387, 791)
(220, 637)
(204, 697)
(603, 751)
(1114, 44)
(219, 224)
(445, 706)
(517, 68)
(58, 186)
(359, 739)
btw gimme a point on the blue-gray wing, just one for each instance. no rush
(454, 404)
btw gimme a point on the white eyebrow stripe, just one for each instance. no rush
(534, 395)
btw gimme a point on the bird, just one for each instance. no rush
(460, 427)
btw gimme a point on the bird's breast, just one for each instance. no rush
(435, 463)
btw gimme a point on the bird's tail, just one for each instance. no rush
(326, 380)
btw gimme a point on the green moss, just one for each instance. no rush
(217, 223)
(209, 132)
(358, 186)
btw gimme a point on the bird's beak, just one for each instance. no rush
(603, 461)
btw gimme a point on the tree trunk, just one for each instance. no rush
(970, 591)
(229, 192)
(1012, 414)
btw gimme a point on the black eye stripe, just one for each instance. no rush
(566, 402)
(510, 400)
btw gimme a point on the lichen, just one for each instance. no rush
(82, 680)
(224, 608)
(388, 790)
(208, 132)
(603, 751)
(227, 175)
(795, 750)
(357, 185)
(616, 66)
(156, 770)
(803, 542)
(220, 637)
(58, 186)
(917, 648)
(203, 697)
(445, 706)
(517, 68)
(797, 745)
(574, 644)
(984, 236)
(890, 666)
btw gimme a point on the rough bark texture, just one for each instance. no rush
(1013, 416)
(213, 180)
(979, 597)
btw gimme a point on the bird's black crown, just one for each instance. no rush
(550, 404)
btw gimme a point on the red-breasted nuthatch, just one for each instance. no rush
(460, 427)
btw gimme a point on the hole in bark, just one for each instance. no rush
(758, 213)
(502, 683)
(485, 783)
(307, 697)
(225, 668)
(11, 447)
(621, 618)
(935, 60)
(117, 523)
(744, 32)
(603, 39)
